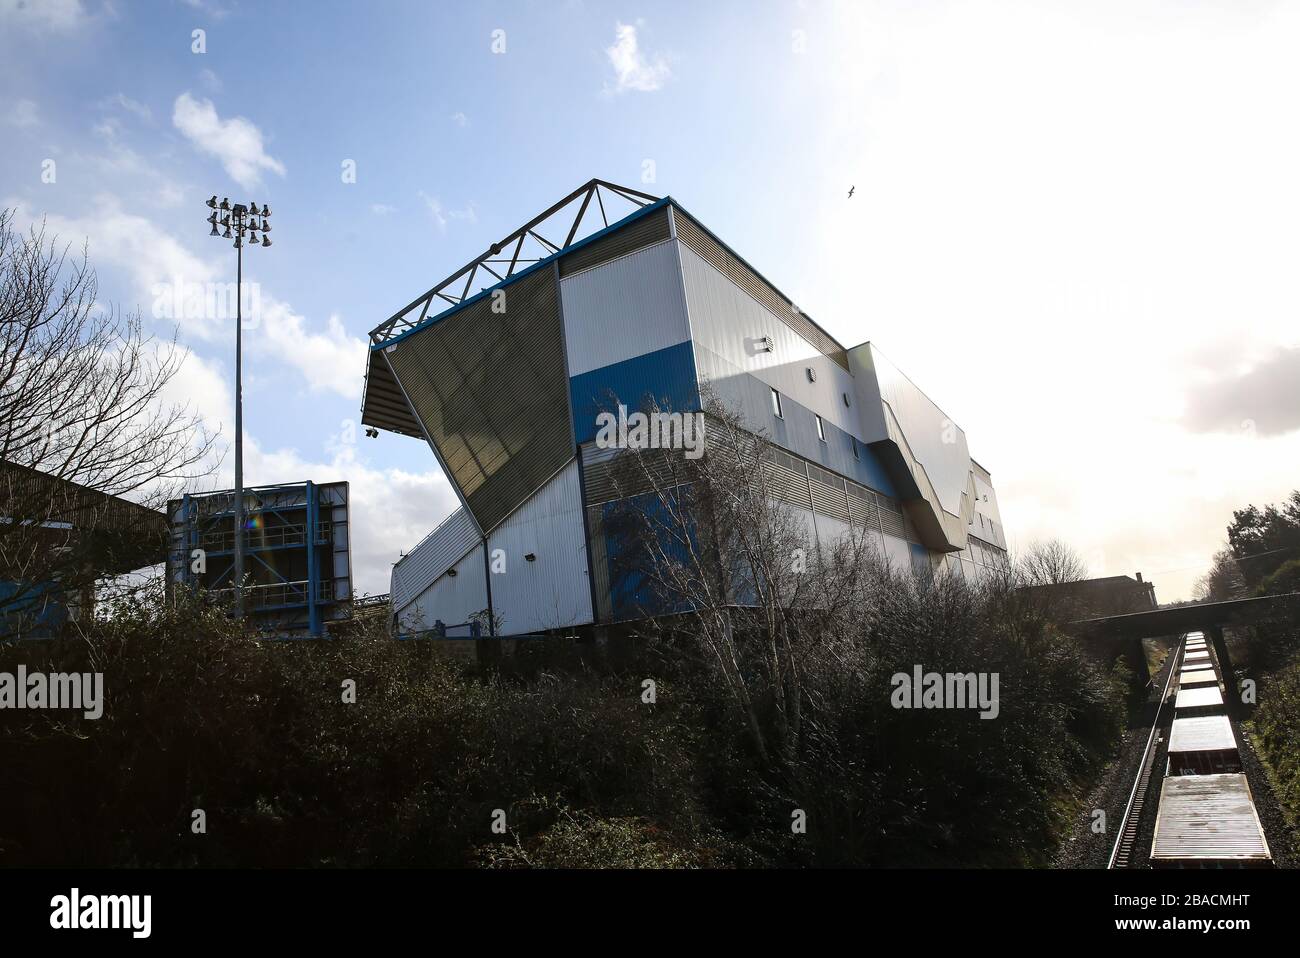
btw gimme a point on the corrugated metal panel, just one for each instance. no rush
(625, 308)
(1208, 818)
(891, 517)
(829, 497)
(609, 475)
(862, 507)
(666, 376)
(788, 479)
(724, 262)
(1208, 734)
(552, 591)
(491, 390)
(384, 406)
(450, 599)
(1197, 698)
(599, 562)
(642, 231)
(435, 554)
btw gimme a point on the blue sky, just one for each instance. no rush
(1036, 183)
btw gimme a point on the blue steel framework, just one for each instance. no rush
(290, 591)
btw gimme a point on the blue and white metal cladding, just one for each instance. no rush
(625, 308)
(627, 336)
(731, 324)
(661, 321)
(666, 375)
(797, 429)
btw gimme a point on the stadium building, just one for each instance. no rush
(504, 366)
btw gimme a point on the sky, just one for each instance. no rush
(1072, 224)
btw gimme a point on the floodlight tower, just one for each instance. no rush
(239, 221)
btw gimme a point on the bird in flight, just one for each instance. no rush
(851, 189)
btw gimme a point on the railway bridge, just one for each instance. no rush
(1129, 629)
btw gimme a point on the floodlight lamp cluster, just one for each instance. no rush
(239, 221)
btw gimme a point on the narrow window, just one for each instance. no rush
(854, 443)
(821, 430)
(776, 404)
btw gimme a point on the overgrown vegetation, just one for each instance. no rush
(1262, 558)
(558, 737)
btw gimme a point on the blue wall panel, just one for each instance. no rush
(667, 374)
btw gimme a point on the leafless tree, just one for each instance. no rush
(711, 551)
(83, 420)
(1052, 563)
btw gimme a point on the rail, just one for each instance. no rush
(1121, 854)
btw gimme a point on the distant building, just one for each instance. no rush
(56, 538)
(297, 557)
(1097, 598)
(504, 367)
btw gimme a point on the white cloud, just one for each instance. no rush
(23, 114)
(214, 10)
(632, 70)
(107, 128)
(150, 256)
(158, 264)
(460, 119)
(210, 80)
(443, 216)
(124, 102)
(237, 142)
(391, 509)
(329, 360)
(382, 209)
(42, 15)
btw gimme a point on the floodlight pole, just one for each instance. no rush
(242, 220)
(239, 428)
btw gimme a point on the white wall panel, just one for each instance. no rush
(729, 322)
(624, 308)
(830, 531)
(450, 599)
(551, 592)
(935, 440)
(450, 540)
(898, 553)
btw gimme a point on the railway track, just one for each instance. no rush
(1121, 855)
(1206, 815)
